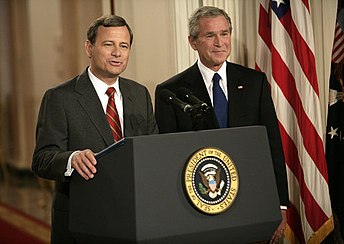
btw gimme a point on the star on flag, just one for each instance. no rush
(333, 132)
(278, 2)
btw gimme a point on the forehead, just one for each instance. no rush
(213, 24)
(113, 33)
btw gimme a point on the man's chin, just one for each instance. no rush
(218, 63)
(115, 71)
(219, 60)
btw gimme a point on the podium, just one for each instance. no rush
(138, 194)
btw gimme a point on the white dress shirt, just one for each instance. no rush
(208, 74)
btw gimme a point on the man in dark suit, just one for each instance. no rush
(72, 122)
(244, 93)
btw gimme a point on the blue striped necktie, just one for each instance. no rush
(220, 102)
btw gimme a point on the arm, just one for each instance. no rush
(269, 119)
(51, 153)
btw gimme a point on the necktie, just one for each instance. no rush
(220, 102)
(112, 115)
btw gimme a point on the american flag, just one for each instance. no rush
(285, 53)
(338, 42)
(335, 122)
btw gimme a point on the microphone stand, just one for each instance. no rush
(197, 115)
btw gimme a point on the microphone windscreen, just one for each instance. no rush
(187, 96)
(182, 93)
(166, 95)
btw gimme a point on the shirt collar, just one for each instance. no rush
(100, 86)
(208, 74)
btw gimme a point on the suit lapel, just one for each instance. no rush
(194, 82)
(90, 102)
(128, 106)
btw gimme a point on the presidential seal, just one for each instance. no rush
(211, 180)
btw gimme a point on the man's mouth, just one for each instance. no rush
(115, 62)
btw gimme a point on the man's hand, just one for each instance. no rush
(84, 163)
(279, 233)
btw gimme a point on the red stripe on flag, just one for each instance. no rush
(264, 29)
(257, 68)
(304, 150)
(314, 214)
(306, 3)
(302, 51)
(311, 140)
(294, 217)
(338, 45)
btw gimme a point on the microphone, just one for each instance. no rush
(186, 95)
(170, 97)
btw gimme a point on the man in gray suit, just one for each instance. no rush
(246, 98)
(72, 121)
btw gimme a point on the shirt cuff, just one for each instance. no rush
(283, 207)
(69, 169)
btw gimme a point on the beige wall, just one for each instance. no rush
(153, 54)
(16, 83)
(42, 45)
(47, 47)
(45, 40)
(58, 56)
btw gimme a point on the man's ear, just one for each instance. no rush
(88, 48)
(192, 42)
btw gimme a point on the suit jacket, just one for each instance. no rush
(71, 118)
(250, 103)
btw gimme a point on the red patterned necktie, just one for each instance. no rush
(112, 115)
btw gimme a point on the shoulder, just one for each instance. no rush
(70, 89)
(233, 67)
(62, 89)
(78, 83)
(126, 83)
(186, 76)
(241, 73)
(133, 89)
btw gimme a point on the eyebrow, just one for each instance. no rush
(122, 42)
(213, 32)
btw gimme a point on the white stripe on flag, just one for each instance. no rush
(289, 64)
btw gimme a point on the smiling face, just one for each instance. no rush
(213, 42)
(109, 54)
